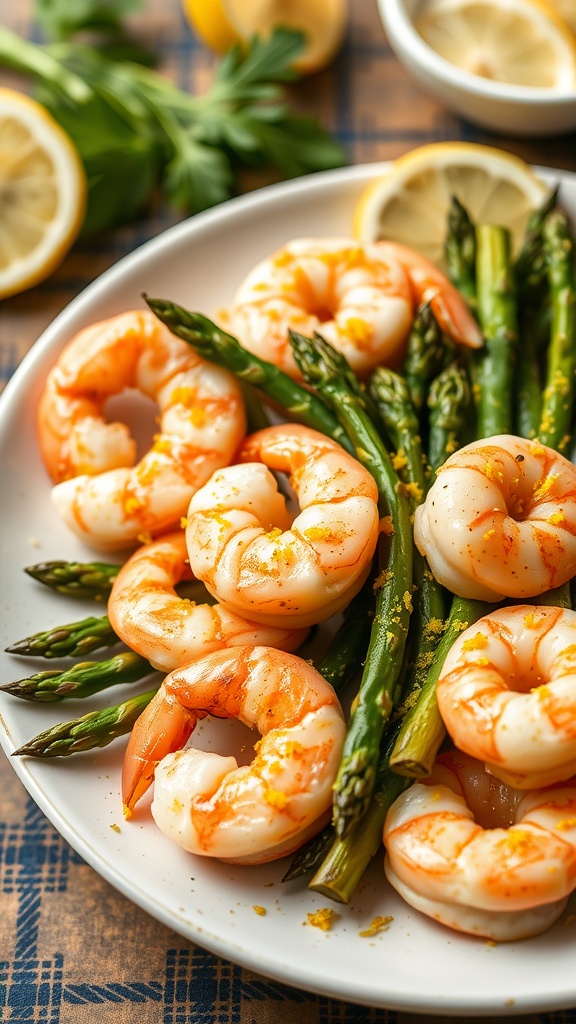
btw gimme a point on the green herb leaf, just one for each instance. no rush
(134, 129)
(60, 19)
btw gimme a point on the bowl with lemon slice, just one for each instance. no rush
(509, 65)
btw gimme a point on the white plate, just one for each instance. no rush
(415, 965)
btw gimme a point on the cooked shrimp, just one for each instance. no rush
(507, 694)
(506, 875)
(149, 616)
(500, 520)
(360, 297)
(100, 492)
(207, 803)
(242, 546)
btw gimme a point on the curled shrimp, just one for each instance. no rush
(101, 492)
(360, 297)
(505, 873)
(152, 619)
(243, 544)
(206, 802)
(500, 520)
(507, 694)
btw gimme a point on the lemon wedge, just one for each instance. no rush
(410, 202)
(517, 42)
(42, 193)
(220, 23)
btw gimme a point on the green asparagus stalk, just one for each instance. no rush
(529, 385)
(424, 356)
(343, 865)
(390, 394)
(531, 277)
(558, 398)
(392, 399)
(339, 863)
(96, 729)
(422, 730)
(497, 313)
(75, 639)
(83, 680)
(215, 345)
(450, 407)
(530, 269)
(397, 415)
(256, 415)
(76, 579)
(348, 647)
(310, 856)
(326, 370)
(460, 251)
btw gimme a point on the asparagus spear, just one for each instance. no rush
(530, 268)
(460, 251)
(350, 642)
(76, 579)
(422, 730)
(450, 405)
(534, 320)
(424, 356)
(558, 398)
(96, 729)
(392, 398)
(82, 680)
(497, 312)
(73, 639)
(327, 371)
(215, 345)
(339, 863)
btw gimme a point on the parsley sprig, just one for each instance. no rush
(135, 129)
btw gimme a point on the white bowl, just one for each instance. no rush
(513, 109)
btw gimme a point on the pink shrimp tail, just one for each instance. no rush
(163, 727)
(454, 319)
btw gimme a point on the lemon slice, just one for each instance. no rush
(42, 193)
(410, 202)
(220, 23)
(518, 42)
(566, 10)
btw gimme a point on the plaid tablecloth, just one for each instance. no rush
(72, 949)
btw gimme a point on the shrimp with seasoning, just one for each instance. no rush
(479, 856)
(257, 562)
(102, 493)
(152, 619)
(500, 520)
(507, 694)
(206, 802)
(360, 297)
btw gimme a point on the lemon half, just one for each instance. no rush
(410, 202)
(42, 193)
(220, 23)
(566, 10)
(517, 42)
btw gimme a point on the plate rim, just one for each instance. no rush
(217, 944)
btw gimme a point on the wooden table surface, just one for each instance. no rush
(72, 949)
